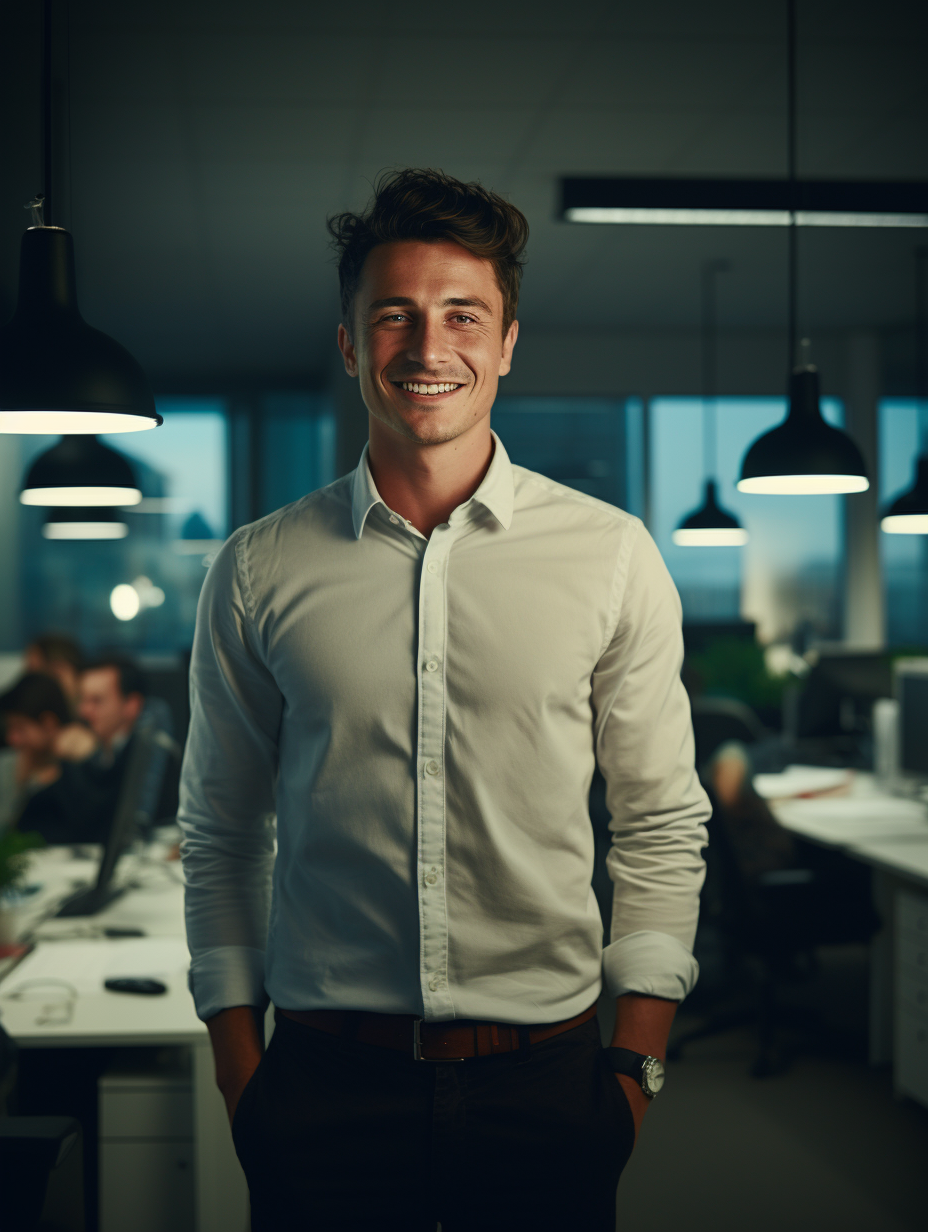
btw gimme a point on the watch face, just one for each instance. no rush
(652, 1073)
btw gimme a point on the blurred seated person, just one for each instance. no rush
(839, 907)
(60, 656)
(39, 790)
(111, 697)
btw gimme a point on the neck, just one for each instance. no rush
(425, 483)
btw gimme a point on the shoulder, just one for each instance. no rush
(254, 553)
(538, 493)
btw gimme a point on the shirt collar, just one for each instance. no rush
(496, 492)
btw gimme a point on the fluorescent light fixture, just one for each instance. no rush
(738, 218)
(719, 538)
(81, 496)
(905, 524)
(63, 423)
(85, 530)
(803, 485)
(738, 203)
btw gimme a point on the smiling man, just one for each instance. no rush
(418, 669)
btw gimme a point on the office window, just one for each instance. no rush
(139, 592)
(297, 447)
(903, 430)
(585, 443)
(788, 575)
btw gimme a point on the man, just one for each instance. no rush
(35, 711)
(111, 697)
(419, 667)
(60, 656)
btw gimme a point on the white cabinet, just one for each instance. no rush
(147, 1173)
(910, 1069)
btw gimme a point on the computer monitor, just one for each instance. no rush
(838, 694)
(130, 819)
(911, 681)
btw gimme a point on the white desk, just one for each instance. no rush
(98, 1017)
(891, 835)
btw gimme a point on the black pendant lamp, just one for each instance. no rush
(908, 514)
(80, 470)
(709, 526)
(803, 455)
(74, 522)
(57, 373)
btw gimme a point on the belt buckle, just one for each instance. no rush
(417, 1048)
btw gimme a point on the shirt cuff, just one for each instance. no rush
(651, 963)
(232, 975)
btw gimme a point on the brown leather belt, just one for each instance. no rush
(432, 1041)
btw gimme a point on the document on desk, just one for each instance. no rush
(844, 820)
(86, 964)
(799, 781)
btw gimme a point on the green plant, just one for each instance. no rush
(735, 667)
(14, 857)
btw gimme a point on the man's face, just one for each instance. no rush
(103, 706)
(428, 313)
(34, 737)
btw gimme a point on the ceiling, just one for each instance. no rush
(209, 141)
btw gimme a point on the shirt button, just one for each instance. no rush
(432, 767)
(436, 982)
(432, 567)
(431, 877)
(432, 665)
(395, 520)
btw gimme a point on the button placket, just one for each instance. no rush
(433, 919)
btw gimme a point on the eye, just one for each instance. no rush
(463, 317)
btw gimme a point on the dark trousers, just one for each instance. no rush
(333, 1134)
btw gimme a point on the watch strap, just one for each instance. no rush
(625, 1061)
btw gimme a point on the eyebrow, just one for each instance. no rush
(403, 301)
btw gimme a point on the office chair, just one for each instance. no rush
(761, 922)
(718, 720)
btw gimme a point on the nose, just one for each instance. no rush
(428, 348)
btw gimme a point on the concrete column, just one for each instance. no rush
(864, 621)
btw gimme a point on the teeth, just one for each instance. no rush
(413, 388)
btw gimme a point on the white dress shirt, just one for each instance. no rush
(424, 717)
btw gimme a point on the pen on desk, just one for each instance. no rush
(124, 932)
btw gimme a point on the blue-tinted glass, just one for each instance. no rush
(579, 442)
(788, 572)
(297, 447)
(903, 428)
(182, 469)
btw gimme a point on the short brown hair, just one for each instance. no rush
(33, 695)
(425, 204)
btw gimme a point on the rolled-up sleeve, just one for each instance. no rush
(645, 749)
(227, 793)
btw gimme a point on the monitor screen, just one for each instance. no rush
(912, 693)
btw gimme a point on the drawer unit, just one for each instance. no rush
(147, 1174)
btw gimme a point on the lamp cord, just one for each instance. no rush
(793, 261)
(47, 108)
(709, 349)
(921, 343)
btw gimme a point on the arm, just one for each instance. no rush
(644, 747)
(237, 1037)
(226, 816)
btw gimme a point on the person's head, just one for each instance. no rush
(57, 655)
(112, 694)
(34, 711)
(429, 277)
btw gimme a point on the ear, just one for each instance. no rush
(509, 343)
(346, 346)
(134, 704)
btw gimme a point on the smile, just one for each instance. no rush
(419, 387)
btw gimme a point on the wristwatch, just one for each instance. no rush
(648, 1071)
